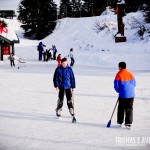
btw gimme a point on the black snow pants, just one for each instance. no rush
(68, 93)
(72, 62)
(125, 107)
(12, 63)
(54, 55)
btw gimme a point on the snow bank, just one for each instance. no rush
(92, 47)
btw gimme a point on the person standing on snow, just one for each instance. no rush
(124, 84)
(11, 58)
(71, 57)
(48, 55)
(54, 52)
(64, 82)
(44, 55)
(40, 49)
(59, 60)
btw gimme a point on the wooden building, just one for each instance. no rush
(7, 44)
(7, 14)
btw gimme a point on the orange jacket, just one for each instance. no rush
(124, 84)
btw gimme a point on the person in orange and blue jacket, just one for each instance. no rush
(124, 84)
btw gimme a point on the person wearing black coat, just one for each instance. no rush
(54, 52)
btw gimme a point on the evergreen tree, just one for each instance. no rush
(75, 8)
(65, 9)
(87, 8)
(99, 6)
(134, 5)
(38, 17)
(112, 3)
(131, 5)
(147, 12)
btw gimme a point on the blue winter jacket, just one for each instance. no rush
(124, 84)
(64, 78)
(40, 47)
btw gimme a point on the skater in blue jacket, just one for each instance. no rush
(64, 82)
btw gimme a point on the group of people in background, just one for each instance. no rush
(51, 54)
(70, 56)
(48, 54)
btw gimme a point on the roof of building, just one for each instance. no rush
(7, 11)
(9, 37)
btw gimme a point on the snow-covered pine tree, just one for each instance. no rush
(38, 17)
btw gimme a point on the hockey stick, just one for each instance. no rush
(73, 119)
(109, 123)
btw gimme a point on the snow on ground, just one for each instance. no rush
(28, 102)
(90, 48)
(28, 98)
(98, 48)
